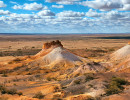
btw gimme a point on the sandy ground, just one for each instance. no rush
(14, 42)
(78, 43)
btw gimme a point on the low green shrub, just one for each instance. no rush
(119, 80)
(115, 86)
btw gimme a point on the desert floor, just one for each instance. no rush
(95, 46)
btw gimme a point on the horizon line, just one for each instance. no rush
(56, 33)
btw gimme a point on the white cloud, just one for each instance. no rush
(107, 5)
(13, 2)
(45, 7)
(57, 6)
(46, 13)
(68, 21)
(103, 5)
(111, 15)
(53, 0)
(2, 4)
(32, 0)
(2, 12)
(70, 14)
(31, 6)
(63, 1)
(126, 7)
(114, 15)
(126, 1)
(92, 13)
(17, 7)
(24, 16)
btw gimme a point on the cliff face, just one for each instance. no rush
(56, 43)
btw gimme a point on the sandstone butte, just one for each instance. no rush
(48, 47)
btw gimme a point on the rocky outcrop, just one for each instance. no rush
(56, 43)
(47, 48)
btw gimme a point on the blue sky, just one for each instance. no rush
(64, 16)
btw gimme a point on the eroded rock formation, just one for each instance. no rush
(47, 48)
(56, 43)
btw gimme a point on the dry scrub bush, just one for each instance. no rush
(115, 86)
(12, 91)
(38, 95)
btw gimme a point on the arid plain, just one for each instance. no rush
(75, 43)
(25, 78)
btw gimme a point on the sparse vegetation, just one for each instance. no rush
(77, 81)
(17, 60)
(78, 74)
(15, 84)
(33, 47)
(57, 97)
(64, 87)
(112, 49)
(115, 86)
(38, 95)
(4, 75)
(89, 77)
(29, 73)
(49, 79)
(20, 93)
(90, 85)
(54, 79)
(93, 98)
(11, 91)
(20, 52)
